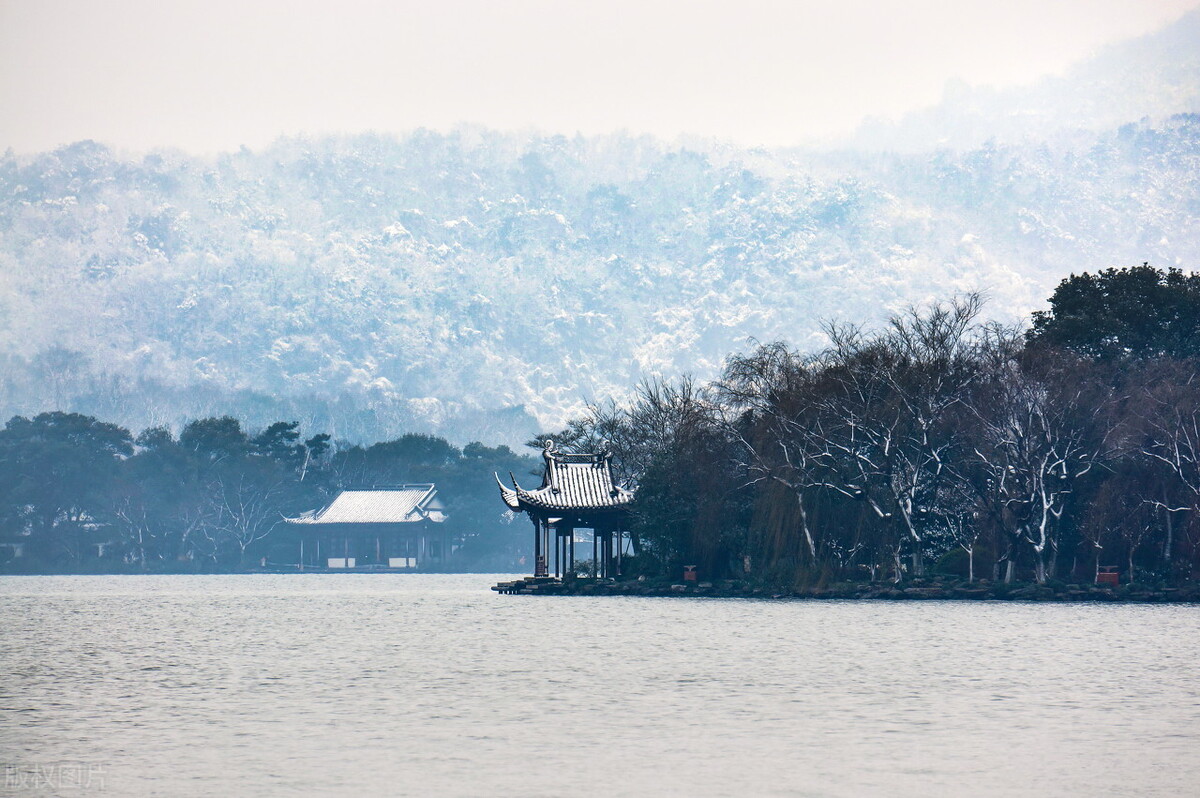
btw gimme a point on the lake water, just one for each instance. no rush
(433, 685)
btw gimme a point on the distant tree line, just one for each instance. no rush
(937, 443)
(77, 493)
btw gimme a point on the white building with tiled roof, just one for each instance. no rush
(404, 504)
(385, 527)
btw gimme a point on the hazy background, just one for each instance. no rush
(210, 75)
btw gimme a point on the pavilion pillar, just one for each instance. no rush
(602, 565)
(620, 545)
(562, 548)
(569, 550)
(538, 561)
(598, 536)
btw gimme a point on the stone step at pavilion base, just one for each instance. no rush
(530, 584)
(551, 586)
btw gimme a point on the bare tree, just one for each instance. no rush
(885, 434)
(245, 505)
(659, 413)
(1166, 431)
(1042, 425)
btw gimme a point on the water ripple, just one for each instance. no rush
(432, 685)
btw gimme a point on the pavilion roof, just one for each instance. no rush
(393, 505)
(570, 483)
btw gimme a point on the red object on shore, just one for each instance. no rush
(1107, 575)
(689, 573)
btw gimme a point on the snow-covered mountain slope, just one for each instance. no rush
(482, 285)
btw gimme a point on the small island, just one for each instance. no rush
(942, 457)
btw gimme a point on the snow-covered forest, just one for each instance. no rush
(483, 285)
(940, 438)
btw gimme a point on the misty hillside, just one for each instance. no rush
(1152, 77)
(482, 285)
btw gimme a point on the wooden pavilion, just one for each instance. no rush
(577, 491)
(388, 527)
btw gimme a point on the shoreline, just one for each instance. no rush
(920, 589)
(933, 589)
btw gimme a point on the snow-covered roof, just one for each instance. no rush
(570, 483)
(396, 505)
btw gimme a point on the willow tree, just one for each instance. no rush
(769, 396)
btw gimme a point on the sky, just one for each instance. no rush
(212, 75)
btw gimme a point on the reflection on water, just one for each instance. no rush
(433, 685)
